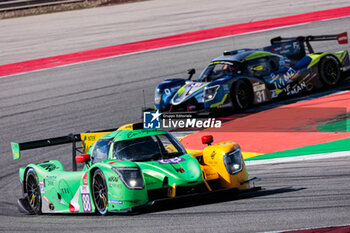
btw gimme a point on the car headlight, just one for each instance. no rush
(233, 161)
(131, 177)
(158, 96)
(210, 92)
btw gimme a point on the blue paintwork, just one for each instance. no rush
(286, 73)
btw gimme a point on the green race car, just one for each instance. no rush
(126, 170)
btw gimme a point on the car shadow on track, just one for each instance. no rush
(212, 199)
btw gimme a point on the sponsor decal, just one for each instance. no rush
(15, 150)
(343, 38)
(273, 94)
(42, 190)
(113, 179)
(258, 87)
(51, 206)
(282, 80)
(116, 202)
(171, 161)
(85, 181)
(295, 89)
(114, 162)
(212, 156)
(134, 134)
(49, 180)
(85, 199)
(84, 189)
(181, 170)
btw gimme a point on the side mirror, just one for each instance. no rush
(82, 158)
(191, 72)
(207, 139)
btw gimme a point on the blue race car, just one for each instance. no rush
(245, 77)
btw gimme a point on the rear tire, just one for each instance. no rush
(99, 192)
(33, 191)
(329, 69)
(241, 95)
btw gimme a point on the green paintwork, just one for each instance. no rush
(258, 54)
(317, 57)
(121, 135)
(15, 150)
(219, 103)
(64, 189)
(183, 88)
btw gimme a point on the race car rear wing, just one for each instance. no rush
(342, 38)
(71, 138)
(87, 140)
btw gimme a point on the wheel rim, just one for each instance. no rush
(331, 72)
(243, 96)
(100, 193)
(33, 191)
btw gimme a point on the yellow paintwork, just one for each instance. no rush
(213, 167)
(209, 173)
(127, 127)
(90, 138)
(257, 68)
(172, 191)
(195, 153)
(210, 159)
(219, 103)
(317, 57)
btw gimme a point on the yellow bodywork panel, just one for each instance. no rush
(127, 126)
(209, 173)
(88, 139)
(195, 153)
(213, 167)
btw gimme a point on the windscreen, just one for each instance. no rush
(217, 70)
(148, 148)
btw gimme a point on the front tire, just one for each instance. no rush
(241, 95)
(33, 191)
(329, 71)
(99, 192)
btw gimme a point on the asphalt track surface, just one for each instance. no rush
(73, 31)
(107, 93)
